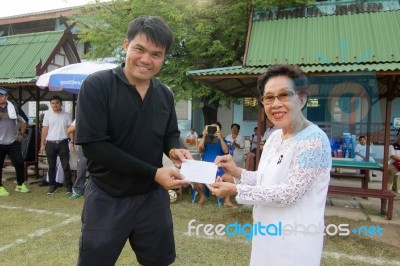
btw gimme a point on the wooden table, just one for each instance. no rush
(364, 191)
(355, 165)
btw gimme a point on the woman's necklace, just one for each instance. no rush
(278, 151)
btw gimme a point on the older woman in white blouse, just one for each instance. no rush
(289, 188)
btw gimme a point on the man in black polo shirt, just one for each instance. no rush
(126, 120)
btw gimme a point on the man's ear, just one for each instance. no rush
(126, 44)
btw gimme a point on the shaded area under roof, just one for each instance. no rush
(241, 81)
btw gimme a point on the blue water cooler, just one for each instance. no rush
(347, 146)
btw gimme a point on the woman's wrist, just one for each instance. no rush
(238, 172)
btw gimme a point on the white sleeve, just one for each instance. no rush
(357, 148)
(310, 163)
(247, 178)
(265, 136)
(240, 141)
(69, 120)
(391, 151)
(45, 119)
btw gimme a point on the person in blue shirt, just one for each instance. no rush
(211, 147)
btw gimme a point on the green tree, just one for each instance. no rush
(207, 34)
(42, 107)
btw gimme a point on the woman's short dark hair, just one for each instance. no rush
(235, 125)
(292, 71)
(154, 28)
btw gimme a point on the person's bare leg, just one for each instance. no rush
(250, 161)
(392, 171)
(228, 202)
(202, 196)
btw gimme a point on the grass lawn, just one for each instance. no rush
(37, 229)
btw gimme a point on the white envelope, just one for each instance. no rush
(199, 171)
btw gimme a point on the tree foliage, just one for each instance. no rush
(268, 3)
(207, 34)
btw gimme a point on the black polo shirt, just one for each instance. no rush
(111, 111)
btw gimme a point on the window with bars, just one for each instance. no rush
(250, 109)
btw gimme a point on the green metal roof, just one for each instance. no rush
(331, 68)
(348, 39)
(19, 54)
(326, 44)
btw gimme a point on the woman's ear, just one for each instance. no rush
(303, 99)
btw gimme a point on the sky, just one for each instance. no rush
(19, 7)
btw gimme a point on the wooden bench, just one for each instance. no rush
(362, 177)
(362, 192)
(35, 164)
(355, 165)
(7, 162)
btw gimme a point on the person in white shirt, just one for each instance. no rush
(191, 139)
(289, 188)
(54, 142)
(251, 155)
(192, 134)
(79, 185)
(253, 140)
(235, 142)
(394, 164)
(361, 152)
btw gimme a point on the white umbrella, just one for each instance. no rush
(69, 78)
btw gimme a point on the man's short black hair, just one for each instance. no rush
(56, 97)
(235, 125)
(154, 28)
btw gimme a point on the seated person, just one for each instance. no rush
(394, 164)
(251, 155)
(210, 151)
(191, 138)
(253, 139)
(361, 152)
(235, 143)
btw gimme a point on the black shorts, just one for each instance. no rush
(108, 222)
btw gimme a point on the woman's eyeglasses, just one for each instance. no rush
(283, 97)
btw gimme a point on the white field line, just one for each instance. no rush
(219, 238)
(358, 258)
(325, 254)
(39, 232)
